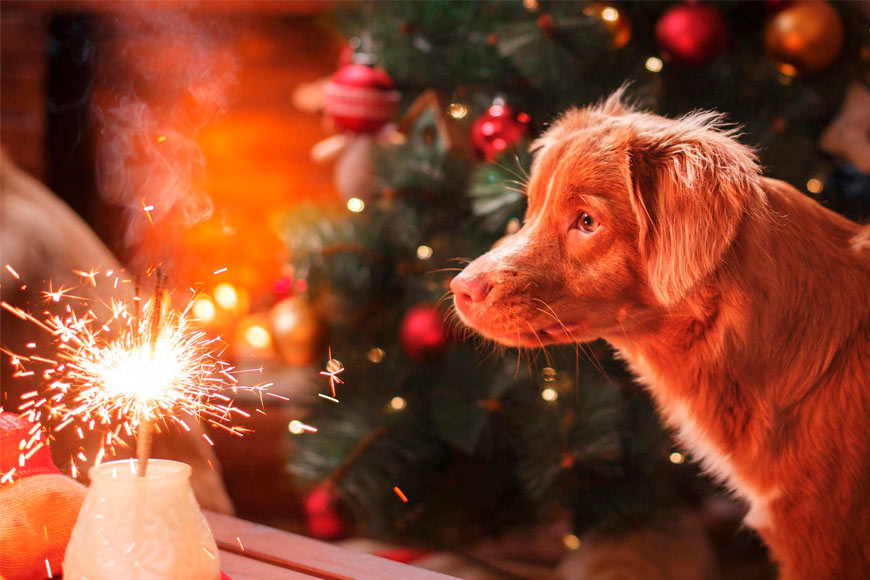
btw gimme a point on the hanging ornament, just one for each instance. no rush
(422, 333)
(774, 6)
(805, 37)
(361, 98)
(298, 333)
(692, 34)
(498, 129)
(322, 513)
(613, 19)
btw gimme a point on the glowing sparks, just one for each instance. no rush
(220, 271)
(147, 208)
(126, 363)
(239, 540)
(333, 369)
(401, 494)
(161, 138)
(12, 271)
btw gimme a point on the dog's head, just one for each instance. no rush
(627, 213)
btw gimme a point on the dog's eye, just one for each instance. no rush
(587, 223)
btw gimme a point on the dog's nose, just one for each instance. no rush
(469, 289)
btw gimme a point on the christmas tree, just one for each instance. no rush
(433, 436)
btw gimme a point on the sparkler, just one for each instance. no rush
(128, 365)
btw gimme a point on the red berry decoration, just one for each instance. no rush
(692, 34)
(422, 333)
(497, 129)
(361, 98)
(322, 514)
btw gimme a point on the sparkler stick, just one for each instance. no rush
(145, 437)
(125, 365)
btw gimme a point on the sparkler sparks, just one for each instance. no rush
(127, 364)
(333, 369)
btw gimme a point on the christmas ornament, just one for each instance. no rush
(38, 503)
(297, 331)
(848, 135)
(422, 333)
(322, 515)
(805, 37)
(498, 129)
(614, 20)
(361, 98)
(692, 34)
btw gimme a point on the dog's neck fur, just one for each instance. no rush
(735, 411)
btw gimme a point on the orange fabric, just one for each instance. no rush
(39, 504)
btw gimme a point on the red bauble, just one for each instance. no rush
(322, 514)
(497, 129)
(422, 333)
(360, 98)
(692, 34)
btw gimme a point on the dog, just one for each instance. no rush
(741, 304)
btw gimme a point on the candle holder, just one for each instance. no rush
(141, 528)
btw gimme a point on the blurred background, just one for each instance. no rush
(319, 170)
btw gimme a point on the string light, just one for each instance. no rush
(424, 252)
(571, 542)
(376, 355)
(815, 185)
(257, 336)
(457, 110)
(610, 14)
(654, 64)
(226, 296)
(356, 205)
(398, 403)
(530, 5)
(203, 309)
(549, 395)
(677, 458)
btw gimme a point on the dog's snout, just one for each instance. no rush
(469, 289)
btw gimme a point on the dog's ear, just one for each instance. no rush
(691, 184)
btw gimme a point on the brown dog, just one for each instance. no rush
(743, 305)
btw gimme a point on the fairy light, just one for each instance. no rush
(398, 403)
(226, 296)
(457, 110)
(610, 14)
(677, 458)
(815, 185)
(654, 64)
(257, 336)
(376, 355)
(295, 427)
(121, 366)
(356, 205)
(571, 542)
(530, 5)
(424, 252)
(203, 309)
(549, 395)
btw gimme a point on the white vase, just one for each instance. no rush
(141, 528)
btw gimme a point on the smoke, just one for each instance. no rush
(161, 78)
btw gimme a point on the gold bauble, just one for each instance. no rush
(298, 333)
(806, 37)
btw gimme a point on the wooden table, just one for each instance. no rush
(250, 551)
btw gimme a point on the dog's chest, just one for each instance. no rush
(717, 462)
